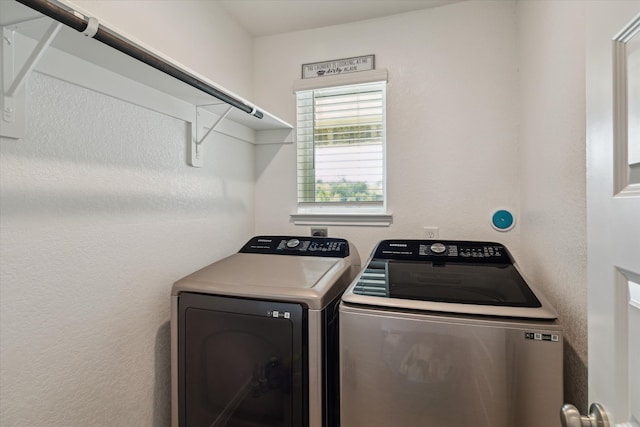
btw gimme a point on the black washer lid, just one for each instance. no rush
(454, 276)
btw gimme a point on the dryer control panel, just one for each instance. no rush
(295, 245)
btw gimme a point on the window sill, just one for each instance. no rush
(349, 219)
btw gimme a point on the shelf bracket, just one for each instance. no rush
(196, 152)
(13, 82)
(215, 124)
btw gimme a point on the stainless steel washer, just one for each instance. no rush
(447, 334)
(254, 336)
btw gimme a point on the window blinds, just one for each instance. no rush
(341, 137)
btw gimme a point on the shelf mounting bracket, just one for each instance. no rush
(14, 81)
(196, 152)
(215, 124)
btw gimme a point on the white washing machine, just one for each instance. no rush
(254, 336)
(447, 334)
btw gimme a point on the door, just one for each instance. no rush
(241, 362)
(613, 208)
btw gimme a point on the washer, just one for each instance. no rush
(254, 336)
(447, 334)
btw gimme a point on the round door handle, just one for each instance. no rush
(570, 416)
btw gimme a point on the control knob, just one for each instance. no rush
(293, 243)
(438, 248)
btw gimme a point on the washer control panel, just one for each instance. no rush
(295, 245)
(443, 251)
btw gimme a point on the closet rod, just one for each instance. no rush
(113, 40)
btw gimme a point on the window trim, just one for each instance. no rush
(380, 75)
(351, 218)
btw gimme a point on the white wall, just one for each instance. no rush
(99, 215)
(551, 40)
(197, 34)
(451, 125)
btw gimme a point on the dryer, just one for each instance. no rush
(255, 335)
(448, 334)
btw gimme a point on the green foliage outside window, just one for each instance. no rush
(345, 191)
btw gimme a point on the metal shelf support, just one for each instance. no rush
(16, 81)
(217, 122)
(196, 150)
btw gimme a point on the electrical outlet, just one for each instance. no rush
(431, 233)
(319, 231)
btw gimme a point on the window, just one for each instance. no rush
(341, 146)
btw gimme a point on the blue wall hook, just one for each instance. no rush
(503, 220)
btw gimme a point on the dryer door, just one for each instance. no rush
(240, 361)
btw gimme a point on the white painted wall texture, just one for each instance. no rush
(198, 34)
(99, 213)
(551, 41)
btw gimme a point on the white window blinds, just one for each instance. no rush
(341, 138)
